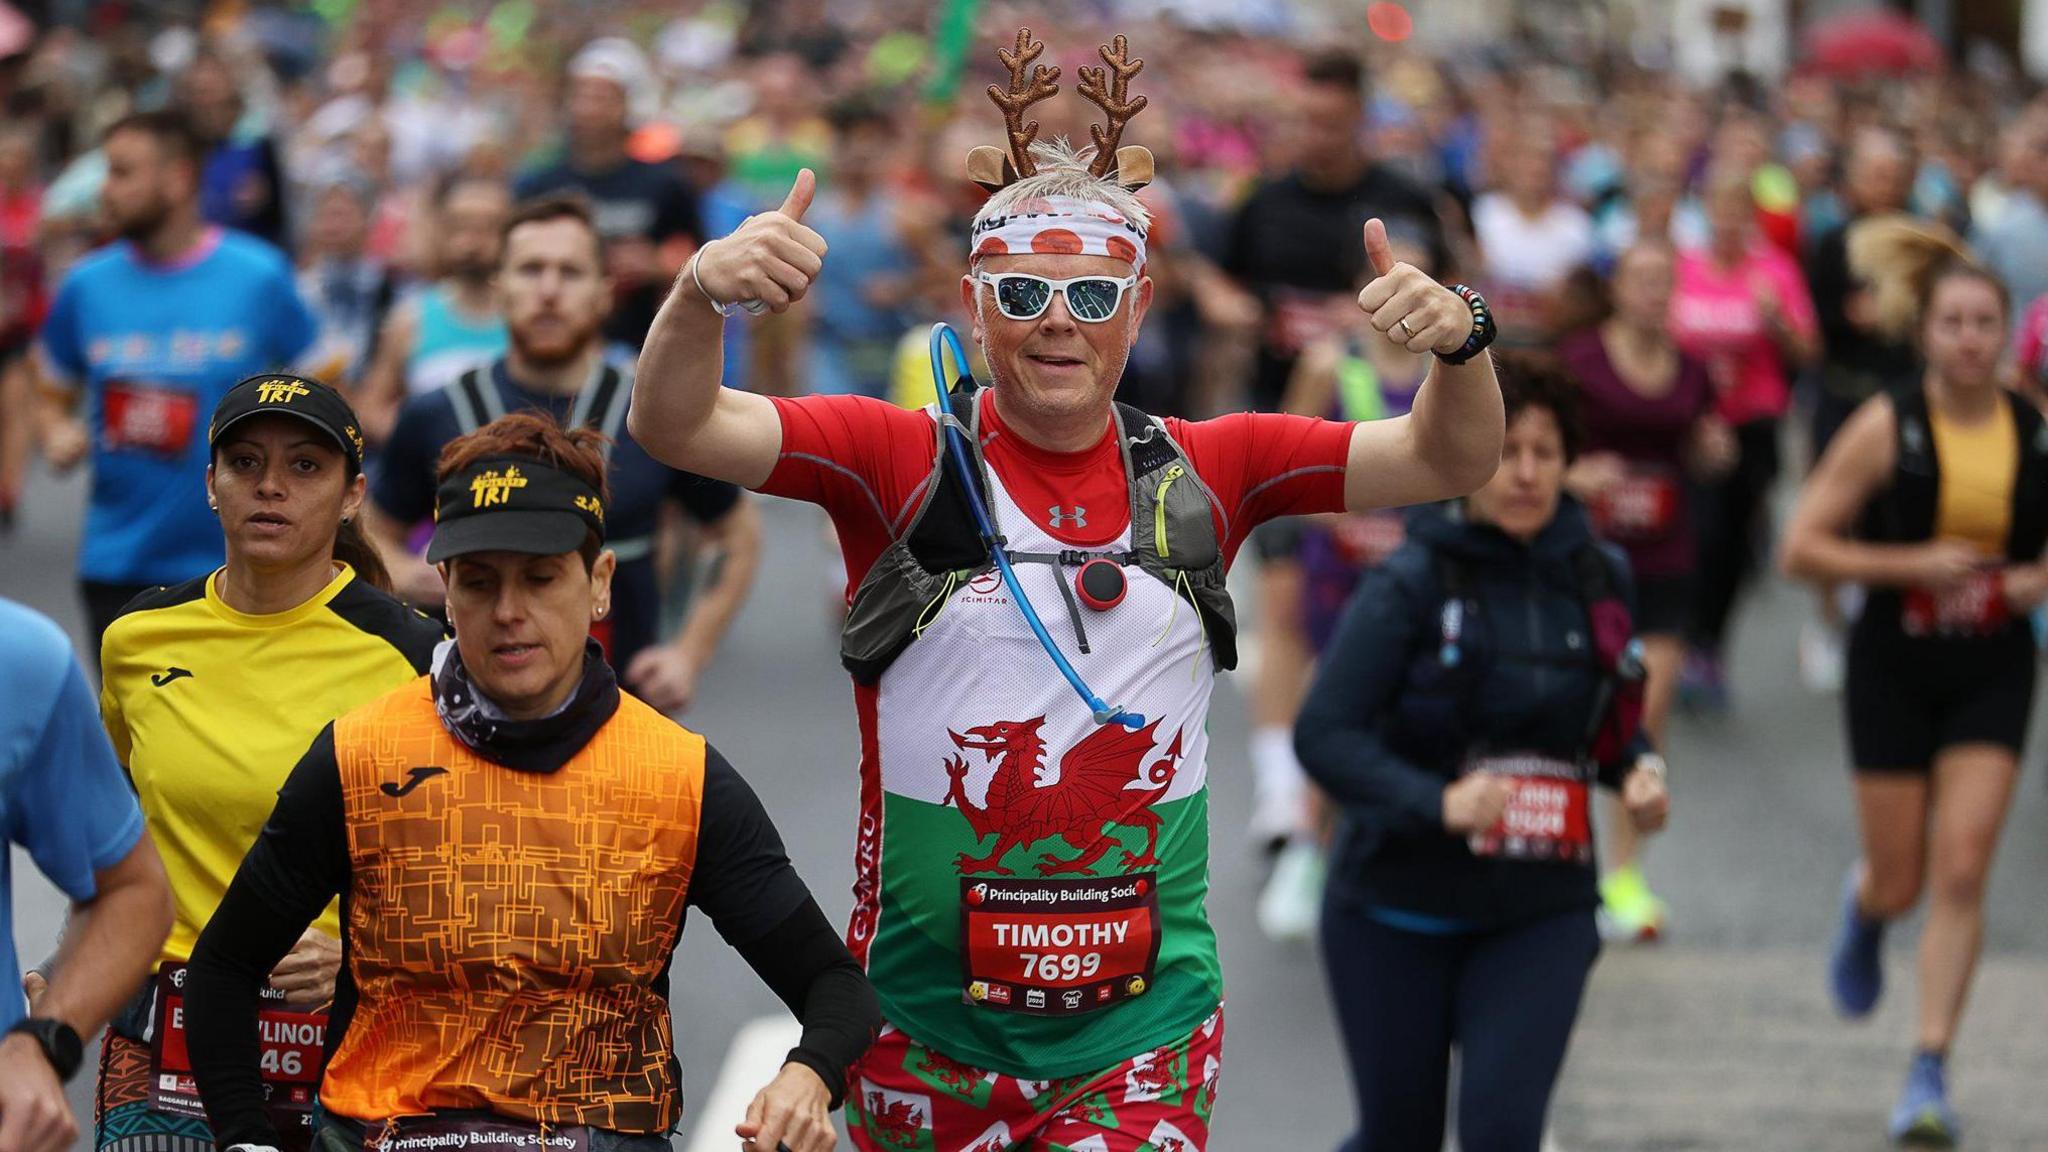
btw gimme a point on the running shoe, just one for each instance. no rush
(1701, 685)
(1292, 903)
(1821, 660)
(1629, 911)
(1923, 1118)
(1277, 812)
(1856, 966)
(1280, 803)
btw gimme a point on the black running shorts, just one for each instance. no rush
(1908, 698)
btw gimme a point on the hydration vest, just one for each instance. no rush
(1431, 715)
(1905, 512)
(601, 405)
(1173, 539)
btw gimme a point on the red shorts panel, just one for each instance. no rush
(904, 1097)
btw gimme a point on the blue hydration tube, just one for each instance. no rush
(943, 339)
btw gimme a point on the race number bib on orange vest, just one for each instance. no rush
(1548, 816)
(477, 1134)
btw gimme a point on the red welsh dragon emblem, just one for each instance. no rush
(895, 1121)
(961, 1078)
(1157, 1076)
(1028, 802)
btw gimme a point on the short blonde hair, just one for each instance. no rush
(1063, 171)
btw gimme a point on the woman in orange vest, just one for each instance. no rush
(516, 842)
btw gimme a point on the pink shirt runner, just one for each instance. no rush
(1716, 319)
(2030, 343)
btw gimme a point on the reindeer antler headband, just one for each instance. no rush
(1107, 87)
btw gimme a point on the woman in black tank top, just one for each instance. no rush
(1941, 662)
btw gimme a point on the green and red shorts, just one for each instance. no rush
(905, 1097)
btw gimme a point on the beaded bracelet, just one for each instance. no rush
(1483, 328)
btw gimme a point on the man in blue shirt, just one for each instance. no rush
(241, 181)
(152, 331)
(859, 316)
(2014, 243)
(554, 287)
(64, 798)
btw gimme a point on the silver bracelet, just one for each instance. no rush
(750, 307)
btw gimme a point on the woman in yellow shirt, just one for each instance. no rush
(1950, 482)
(212, 689)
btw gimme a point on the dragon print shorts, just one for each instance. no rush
(905, 1097)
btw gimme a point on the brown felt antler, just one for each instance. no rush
(1023, 95)
(1110, 90)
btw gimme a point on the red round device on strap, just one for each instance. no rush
(1100, 584)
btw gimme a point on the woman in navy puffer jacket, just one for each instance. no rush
(1480, 684)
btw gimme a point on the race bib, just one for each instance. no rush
(1059, 947)
(1521, 312)
(1296, 319)
(1974, 607)
(1548, 816)
(135, 416)
(1641, 507)
(476, 1134)
(292, 1046)
(1366, 540)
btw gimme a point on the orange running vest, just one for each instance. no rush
(509, 931)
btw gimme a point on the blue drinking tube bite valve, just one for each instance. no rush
(945, 339)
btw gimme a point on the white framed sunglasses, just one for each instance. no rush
(1090, 299)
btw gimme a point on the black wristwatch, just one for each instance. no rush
(61, 1045)
(1483, 328)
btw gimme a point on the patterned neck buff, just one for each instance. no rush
(541, 745)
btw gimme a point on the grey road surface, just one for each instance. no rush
(1720, 1039)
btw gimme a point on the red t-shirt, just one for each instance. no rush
(867, 463)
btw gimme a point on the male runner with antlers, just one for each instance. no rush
(1030, 883)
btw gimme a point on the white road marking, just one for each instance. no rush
(756, 1055)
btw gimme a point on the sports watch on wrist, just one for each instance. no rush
(60, 1044)
(1483, 328)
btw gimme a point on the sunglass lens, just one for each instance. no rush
(1092, 300)
(1022, 299)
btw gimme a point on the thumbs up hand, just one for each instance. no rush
(770, 260)
(1407, 306)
